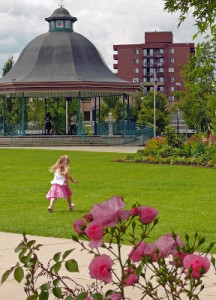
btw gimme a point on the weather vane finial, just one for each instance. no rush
(61, 3)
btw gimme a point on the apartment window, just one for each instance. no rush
(171, 70)
(171, 79)
(160, 79)
(171, 88)
(161, 88)
(161, 51)
(135, 80)
(136, 70)
(135, 60)
(171, 50)
(161, 70)
(171, 60)
(144, 52)
(135, 51)
(151, 52)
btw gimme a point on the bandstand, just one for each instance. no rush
(62, 64)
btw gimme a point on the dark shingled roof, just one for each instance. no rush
(60, 56)
(61, 60)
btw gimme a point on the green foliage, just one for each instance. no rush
(174, 140)
(7, 66)
(199, 81)
(113, 105)
(203, 12)
(146, 113)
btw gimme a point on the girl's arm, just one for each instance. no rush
(69, 177)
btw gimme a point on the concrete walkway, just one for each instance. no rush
(9, 241)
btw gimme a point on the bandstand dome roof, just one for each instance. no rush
(61, 59)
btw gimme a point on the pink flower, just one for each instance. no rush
(166, 245)
(88, 218)
(147, 214)
(130, 277)
(135, 211)
(79, 226)
(95, 232)
(109, 211)
(137, 252)
(115, 296)
(100, 268)
(196, 265)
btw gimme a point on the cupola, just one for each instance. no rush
(61, 20)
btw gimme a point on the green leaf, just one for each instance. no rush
(30, 243)
(82, 296)
(32, 297)
(57, 256)
(19, 248)
(57, 292)
(44, 295)
(6, 275)
(69, 298)
(71, 265)
(67, 253)
(18, 274)
(74, 238)
(56, 267)
(45, 287)
(97, 296)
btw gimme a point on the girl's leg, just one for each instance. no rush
(70, 204)
(50, 207)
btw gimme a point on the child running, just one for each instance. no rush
(60, 188)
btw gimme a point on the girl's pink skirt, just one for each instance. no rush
(59, 191)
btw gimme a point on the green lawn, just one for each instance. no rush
(185, 196)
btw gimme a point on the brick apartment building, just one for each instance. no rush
(137, 62)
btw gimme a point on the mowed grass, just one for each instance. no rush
(184, 196)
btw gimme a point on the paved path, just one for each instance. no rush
(117, 149)
(11, 290)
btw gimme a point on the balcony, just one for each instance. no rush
(115, 56)
(115, 66)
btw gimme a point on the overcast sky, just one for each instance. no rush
(104, 23)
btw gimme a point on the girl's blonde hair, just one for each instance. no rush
(63, 165)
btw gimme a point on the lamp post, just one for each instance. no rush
(178, 112)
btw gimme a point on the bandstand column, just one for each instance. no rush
(4, 116)
(79, 131)
(23, 115)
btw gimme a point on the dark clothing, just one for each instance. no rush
(48, 125)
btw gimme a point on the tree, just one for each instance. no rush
(7, 66)
(113, 105)
(146, 114)
(203, 12)
(199, 81)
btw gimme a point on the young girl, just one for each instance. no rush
(60, 188)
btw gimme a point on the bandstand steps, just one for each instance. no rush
(47, 141)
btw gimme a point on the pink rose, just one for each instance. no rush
(79, 226)
(135, 211)
(95, 232)
(137, 252)
(130, 277)
(147, 214)
(108, 212)
(166, 245)
(100, 268)
(115, 296)
(196, 265)
(88, 218)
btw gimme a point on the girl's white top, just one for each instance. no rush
(58, 178)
